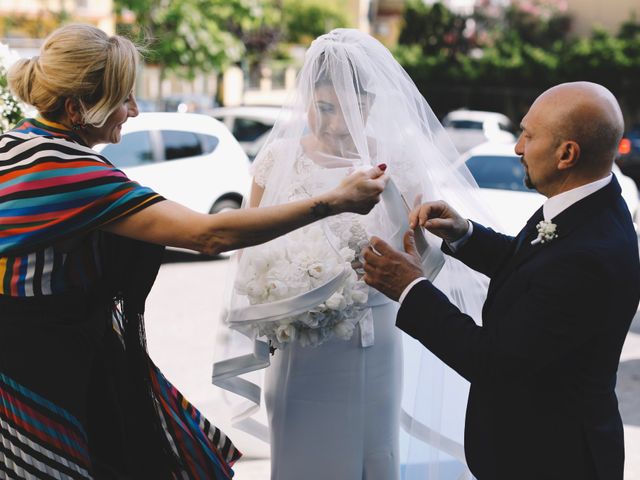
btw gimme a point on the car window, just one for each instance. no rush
(134, 149)
(178, 144)
(464, 124)
(209, 143)
(499, 172)
(247, 130)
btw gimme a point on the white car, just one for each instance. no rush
(189, 158)
(469, 128)
(250, 125)
(499, 174)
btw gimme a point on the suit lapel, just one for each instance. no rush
(519, 245)
(566, 221)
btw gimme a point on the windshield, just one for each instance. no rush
(498, 171)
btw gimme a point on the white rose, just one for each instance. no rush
(316, 269)
(286, 333)
(359, 296)
(336, 302)
(277, 289)
(318, 308)
(344, 330)
(312, 319)
(256, 290)
(347, 254)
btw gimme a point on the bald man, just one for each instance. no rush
(562, 296)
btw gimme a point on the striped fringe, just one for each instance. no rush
(39, 440)
(206, 452)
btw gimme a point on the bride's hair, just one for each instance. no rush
(324, 75)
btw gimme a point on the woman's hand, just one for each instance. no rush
(359, 192)
(440, 219)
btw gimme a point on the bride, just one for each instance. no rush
(334, 387)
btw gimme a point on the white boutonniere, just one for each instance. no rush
(547, 231)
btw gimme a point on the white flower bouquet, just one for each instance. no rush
(11, 110)
(294, 265)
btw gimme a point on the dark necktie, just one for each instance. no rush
(529, 232)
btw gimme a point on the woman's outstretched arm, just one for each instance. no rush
(169, 223)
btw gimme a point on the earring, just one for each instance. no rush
(77, 126)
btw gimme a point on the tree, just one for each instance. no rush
(537, 22)
(258, 24)
(183, 36)
(436, 29)
(305, 20)
(511, 54)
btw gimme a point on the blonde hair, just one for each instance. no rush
(81, 62)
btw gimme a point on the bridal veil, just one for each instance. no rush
(305, 286)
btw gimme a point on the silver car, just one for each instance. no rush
(469, 128)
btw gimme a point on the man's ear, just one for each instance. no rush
(73, 111)
(568, 155)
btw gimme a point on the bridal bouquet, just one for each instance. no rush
(297, 264)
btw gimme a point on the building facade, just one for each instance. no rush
(24, 23)
(609, 15)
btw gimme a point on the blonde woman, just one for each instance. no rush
(79, 396)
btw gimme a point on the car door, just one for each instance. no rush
(183, 172)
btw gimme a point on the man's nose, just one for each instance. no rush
(519, 148)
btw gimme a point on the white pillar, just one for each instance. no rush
(233, 86)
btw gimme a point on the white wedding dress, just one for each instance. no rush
(334, 409)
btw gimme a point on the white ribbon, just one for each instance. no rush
(287, 307)
(226, 375)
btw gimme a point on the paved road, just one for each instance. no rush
(182, 320)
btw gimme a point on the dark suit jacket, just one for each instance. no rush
(543, 366)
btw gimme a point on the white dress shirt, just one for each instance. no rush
(552, 208)
(559, 203)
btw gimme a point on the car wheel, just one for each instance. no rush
(224, 205)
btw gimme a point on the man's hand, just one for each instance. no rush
(440, 219)
(390, 271)
(360, 191)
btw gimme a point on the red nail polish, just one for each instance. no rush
(382, 166)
